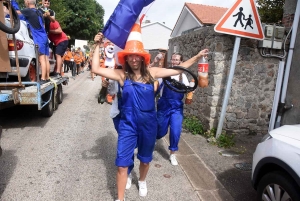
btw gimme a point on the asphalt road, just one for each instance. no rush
(70, 156)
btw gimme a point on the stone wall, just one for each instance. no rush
(252, 89)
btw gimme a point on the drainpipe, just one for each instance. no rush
(288, 65)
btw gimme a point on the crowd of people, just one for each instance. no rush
(74, 60)
(44, 28)
(132, 83)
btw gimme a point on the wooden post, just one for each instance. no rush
(4, 57)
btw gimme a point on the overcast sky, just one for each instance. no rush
(166, 11)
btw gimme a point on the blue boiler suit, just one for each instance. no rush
(35, 23)
(170, 112)
(138, 124)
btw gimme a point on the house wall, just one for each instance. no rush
(188, 23)
(253, 86)
(155, 36)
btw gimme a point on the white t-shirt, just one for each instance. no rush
(113, 90)
(185, 81)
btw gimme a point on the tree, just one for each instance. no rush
(86, 19)
(79, 19)
(270, 11)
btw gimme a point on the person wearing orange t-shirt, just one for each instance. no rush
(61, 41)
(77, 60)
(66, 60)
(82, 58)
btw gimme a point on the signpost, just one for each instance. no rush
(241, 20)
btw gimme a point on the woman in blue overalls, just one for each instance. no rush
(170, 110)
(138, 124)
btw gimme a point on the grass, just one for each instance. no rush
(194, 125)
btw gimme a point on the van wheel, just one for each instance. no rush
(47, 110)
(59, 94)
(31, 74)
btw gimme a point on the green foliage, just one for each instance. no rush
(86, 19)
(78, 19)
(193, 125)
(270, 11)
(225, 141)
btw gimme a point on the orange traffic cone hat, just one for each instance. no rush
(134, 45)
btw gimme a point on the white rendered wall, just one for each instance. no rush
(155, 36)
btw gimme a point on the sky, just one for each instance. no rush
(166, 11)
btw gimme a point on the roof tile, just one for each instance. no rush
(206, 14)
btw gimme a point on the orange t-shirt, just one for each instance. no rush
(77, 58)
(67, 56)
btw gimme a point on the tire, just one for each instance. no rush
(59, 94)
(278, 181)
(16, 19)
(47, 110)
(31, 74)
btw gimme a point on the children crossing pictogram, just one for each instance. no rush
(241, 19)
(240, 16)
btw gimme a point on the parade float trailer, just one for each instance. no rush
(20, 70)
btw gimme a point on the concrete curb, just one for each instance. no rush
(202, 179)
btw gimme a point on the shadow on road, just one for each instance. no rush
(8, 163)
(159, 147)
(105, 149)
(22, 116)
(238, 184)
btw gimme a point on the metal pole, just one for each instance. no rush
(276, 95)
(229, 83)
(37, 63)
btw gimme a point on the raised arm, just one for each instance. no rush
(114, 74)
(166, 72)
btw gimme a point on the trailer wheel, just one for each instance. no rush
(48, 109)
(59, 94)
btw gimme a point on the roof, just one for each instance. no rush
(206, 14)
(149, 24)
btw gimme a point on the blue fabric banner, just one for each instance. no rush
(118, 26)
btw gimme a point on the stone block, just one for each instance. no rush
(253, 113)
(230, 117)
(231, 125)
(240, 115)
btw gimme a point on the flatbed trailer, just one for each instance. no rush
(46, 96)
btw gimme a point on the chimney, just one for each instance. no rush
(147, 21)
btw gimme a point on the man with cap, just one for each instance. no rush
(138, 125)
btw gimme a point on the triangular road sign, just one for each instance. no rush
(241, 19)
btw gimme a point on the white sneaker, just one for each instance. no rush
(129, 180)
(173, 159)
(142, 188)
